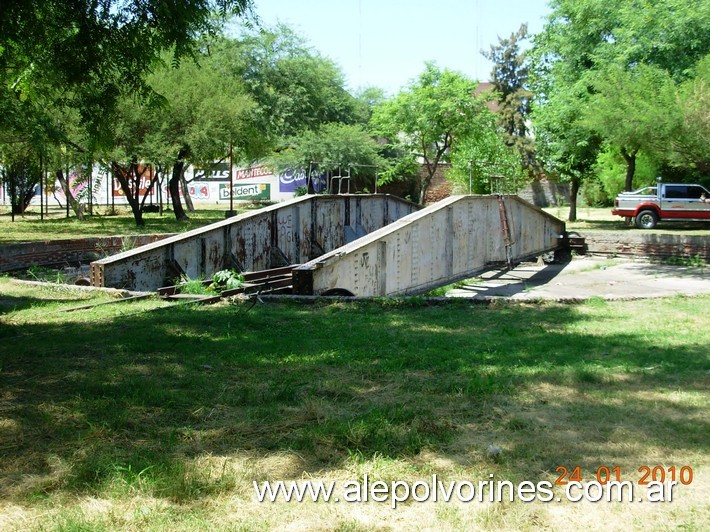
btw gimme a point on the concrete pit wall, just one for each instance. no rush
(448, 241)
(645, 244)
(292, 232)
(23, 255)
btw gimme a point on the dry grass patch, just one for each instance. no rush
(166, 422)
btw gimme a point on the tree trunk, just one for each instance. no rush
(151, 185)
(20, 195)
(174, 187)
(630, 158)
(75, 205)
(425, 187)
(133, 200)
(186, 193)
(574, 190)
(431, 167)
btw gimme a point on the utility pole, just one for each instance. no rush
(231, 212)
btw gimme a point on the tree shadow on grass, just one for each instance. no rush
(84, 404)
(10, 303)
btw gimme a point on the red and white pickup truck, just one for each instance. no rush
(665, 201)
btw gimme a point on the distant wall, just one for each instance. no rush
(541, 192)
(440, 188)
(648, 244)
(545, 193)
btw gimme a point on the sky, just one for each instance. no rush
(385, 43)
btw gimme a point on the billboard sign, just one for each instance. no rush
(255, 191)
(220, 172)
(290, 180)
(145, 177)
(214, 172)
(199, 191)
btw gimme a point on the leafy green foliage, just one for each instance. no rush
(695, 261)
(610, 176)
(88, 53)
(204, 111)
(67, 67)
(510, 80)
(366, 100)
(221, 280)
(226, 280)
(194, 286)
(295, 88)
(483, 158)
(334, 147)
(428, 117)
(609, 73)
(630, 109)
(688, 136)
(20, 173)
(200, 113)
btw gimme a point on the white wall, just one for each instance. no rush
(257, 182)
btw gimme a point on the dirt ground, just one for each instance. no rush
(588, 276)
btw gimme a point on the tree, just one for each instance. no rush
(21, 173)
(428, 117)
(51, 132)
(342, 147)
(92, 52)
(630, 109)
(366, 100)
(562, 55)
(510, 78)
(200, 114)
(207, 112)
(294, 87)
(688, 137)
(82, 57)
(566, 146)
(605, 69)
(610, 173)
(482, 153)
(136, 145)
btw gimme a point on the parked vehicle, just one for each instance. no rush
(664, 202)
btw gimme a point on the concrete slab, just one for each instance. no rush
(586, 277)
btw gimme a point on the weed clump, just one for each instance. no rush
(222, 280)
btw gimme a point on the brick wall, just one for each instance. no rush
(62, 252)
(440, 188)
(648, 245)
(544, 193)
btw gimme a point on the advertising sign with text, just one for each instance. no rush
(290, 180)
(256, 191)
(220, 172)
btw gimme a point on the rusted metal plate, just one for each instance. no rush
(445, 242)
(290, 232)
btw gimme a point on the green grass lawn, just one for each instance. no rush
(57, 226)
(124, 417)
